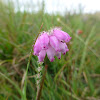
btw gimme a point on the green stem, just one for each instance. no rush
(25, 84)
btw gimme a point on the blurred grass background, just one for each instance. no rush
(75, 77)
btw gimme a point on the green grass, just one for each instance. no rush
(75, 77)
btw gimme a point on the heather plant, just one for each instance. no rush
(52, 43)
(74, 76)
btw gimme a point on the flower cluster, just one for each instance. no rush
(52, 43)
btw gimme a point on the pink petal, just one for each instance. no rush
(54, 43)
(37, 47)
(42, 55)
(58, 54)
(44, 40)
(66, 48)
(61, 35)
(51, 53)
(58, 34)
(67, 36)
(63, 47)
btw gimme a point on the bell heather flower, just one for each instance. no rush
(61, 35)
(54, 42)
(42, 55)
(44, 38)
(37, 47)
(51, 43)
(51, 53)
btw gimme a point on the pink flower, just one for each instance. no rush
(63, 48)
(37, 47)
(51, 53)
(58, 54)
(44, 40)
(42, 55)
(61, 35)
(52, 44)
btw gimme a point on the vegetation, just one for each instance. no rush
(75, 77)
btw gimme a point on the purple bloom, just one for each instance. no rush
(51, 53)
(42, 55)
(44, 40)
(63, 48)
(58, 54)
(37, 47)
(52, 44)
(61, 35)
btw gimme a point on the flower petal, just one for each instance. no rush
(66, 48)
(67, 36)
(54, 43)
(61, 35)
(58, 34)
(42, 55)
(51, 53)
(37, 47)
(63, 47)
(44, 40)
(58, 54)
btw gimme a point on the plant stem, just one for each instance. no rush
(41, 84)
(25, 83)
